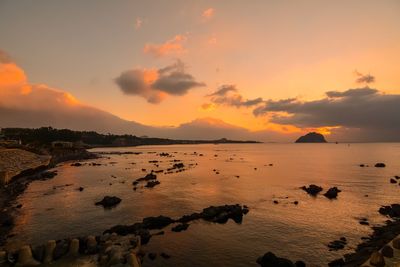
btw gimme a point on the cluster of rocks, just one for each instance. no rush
(337, 244)
(150, 179)
(374, 248)
(216, 214)
(393, 211)
(314, 190)
(108, 249)
(269, 259)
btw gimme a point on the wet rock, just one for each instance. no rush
(221, 214)
(108, 202)
(337, 244)
(158, 222)
(380, 165)
(151, 184)
(377, 259)
(332, 192)
(270, 260)
(363, 221)
(180, 227)
(392, 211)
(148, 177)
(387, 251)
(312, 189)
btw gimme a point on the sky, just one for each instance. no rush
(282, 67)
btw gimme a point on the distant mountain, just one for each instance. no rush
(312, 137)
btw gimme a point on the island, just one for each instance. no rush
(312, 137)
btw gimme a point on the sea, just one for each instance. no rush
(265, 177)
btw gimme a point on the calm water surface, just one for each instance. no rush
(52, 210)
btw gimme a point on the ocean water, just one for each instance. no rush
(52, 210)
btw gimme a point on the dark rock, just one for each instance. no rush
(332, 192)
(312, 137)
(312, 189)
(108, 202)
(151, 184)
(337, 244)
(296, 202)
(300, 264)
(393, 181)
(362, 165)
(380, 165)
(156, 222)
(392, 211)
(77, 164)
(180, 227)
(270, 260)
(276, 202)
(148, 177)
(387, 251)
(81, 188)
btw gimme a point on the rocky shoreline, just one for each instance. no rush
(10, 192)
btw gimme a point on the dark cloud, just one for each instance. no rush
(364, 78)
(227, 95)
(364, 108)
(155, 85)
(173, 80)
(5, 58)
(353, 92)
(223, 90)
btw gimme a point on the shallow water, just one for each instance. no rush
(52, 210)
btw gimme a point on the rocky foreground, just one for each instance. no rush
(119, 245)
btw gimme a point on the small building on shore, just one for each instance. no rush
(62, 144)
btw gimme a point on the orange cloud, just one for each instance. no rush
(208, 13)
(173, 46)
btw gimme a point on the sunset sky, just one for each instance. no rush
(259, 65)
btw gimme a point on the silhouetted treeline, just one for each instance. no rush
(47, 135)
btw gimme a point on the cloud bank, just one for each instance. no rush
(156, 85)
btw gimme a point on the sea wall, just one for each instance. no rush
(17, 161)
